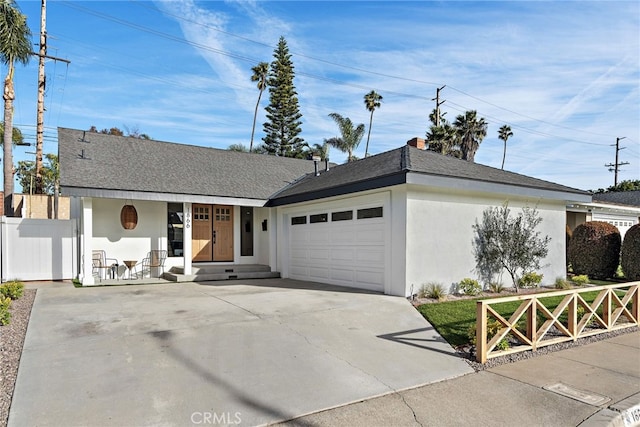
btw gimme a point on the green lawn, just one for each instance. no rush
(452, 319)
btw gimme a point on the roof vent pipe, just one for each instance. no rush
(326, 164)
(316, 160)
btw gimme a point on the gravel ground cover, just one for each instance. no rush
(11, 342)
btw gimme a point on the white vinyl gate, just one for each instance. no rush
(38, 249)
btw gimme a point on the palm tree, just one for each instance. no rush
(260, 74)
(350, 137)
(504, 133)
(471, 130)
(371, 102)
(321, 150)
(15, 45)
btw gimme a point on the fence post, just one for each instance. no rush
(635, 302)
(532, 322)
(606, 309)
(481, 332)
(572, 321)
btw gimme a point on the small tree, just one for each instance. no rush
(510, 243)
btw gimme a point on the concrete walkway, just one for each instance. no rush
(240, 352)
(516, 394)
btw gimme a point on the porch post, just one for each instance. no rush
(187, 223)
(86, 242)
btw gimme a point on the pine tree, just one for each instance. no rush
(283, 115)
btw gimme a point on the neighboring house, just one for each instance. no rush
(621, 209)
(387, 223)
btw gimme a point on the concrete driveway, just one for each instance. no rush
(239, 352)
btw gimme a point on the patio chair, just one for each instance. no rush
(154, 259)
(101, 265)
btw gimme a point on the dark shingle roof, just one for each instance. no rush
(113, 163)
(131, 164)
(391, 168)
(627, 198)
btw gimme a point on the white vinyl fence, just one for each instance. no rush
(38, 249)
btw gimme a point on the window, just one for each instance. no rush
(342, 216)
(318, 218)
(246, 232)
(370, 213)
(298, 220)
(201, 213)
(174, 229)
(223, 214)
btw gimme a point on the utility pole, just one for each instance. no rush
(41, 87)
(42, 55)
(613, 167)
(438, 104)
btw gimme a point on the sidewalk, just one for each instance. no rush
(606, 374)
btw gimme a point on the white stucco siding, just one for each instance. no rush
(439, 234)
(121, 244)
(260, 236)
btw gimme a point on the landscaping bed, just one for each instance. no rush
(11, 342)
(454, 317)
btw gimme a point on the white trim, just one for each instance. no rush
(87, 242)
(162, 197)
(467, 184)
(186, 238)
(604, 208)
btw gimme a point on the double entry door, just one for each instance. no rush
(212, 235)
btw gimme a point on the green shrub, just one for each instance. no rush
(530, 280)
(493, 328)
(580, 312)
(562, 283)
(580, 280)
(433, 290)
(496, 287)
(469, 286)
(631, 254)
(5, 315)
(594, 249)
(13, 290)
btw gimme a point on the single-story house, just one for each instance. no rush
(388, 223)
(620, 208)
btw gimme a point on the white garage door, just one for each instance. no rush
(344, 247)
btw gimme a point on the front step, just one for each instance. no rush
(205, 273)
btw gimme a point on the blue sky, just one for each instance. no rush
(564, 75)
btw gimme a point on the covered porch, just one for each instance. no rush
(171, 240)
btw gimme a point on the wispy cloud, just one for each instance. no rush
(560, 73)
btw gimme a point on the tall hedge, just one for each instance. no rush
(631, 253)
(594, 249)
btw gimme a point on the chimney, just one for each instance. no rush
(417, 142)
(316, 160)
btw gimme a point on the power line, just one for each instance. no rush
(312, 76)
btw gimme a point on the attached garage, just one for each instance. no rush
(340, 243)
(400, 219)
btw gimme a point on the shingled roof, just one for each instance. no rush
(95, 163)
(626, 198)
(392, 167)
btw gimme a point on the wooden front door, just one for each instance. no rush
(201, 237)
(222, 233)
(212, 235)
